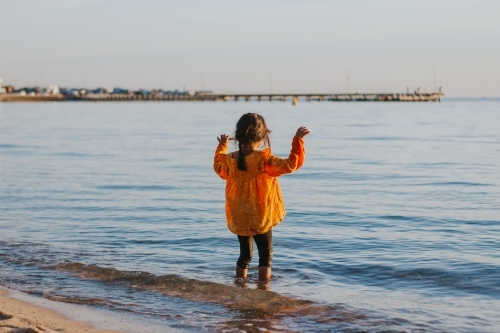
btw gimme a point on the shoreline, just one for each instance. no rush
(21, 312)
(23, 316)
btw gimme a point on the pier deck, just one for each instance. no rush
(30, 98)
(343, 97)
(360, 97)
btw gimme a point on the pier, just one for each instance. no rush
(416, 96)
(31, 98)
(294, 98)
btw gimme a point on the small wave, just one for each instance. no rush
(476, 280)
(232, 297)
(253, 302)
(79, 300)
(136, 187)
(333, 175)
(451, 222)
(383, 138)
(453, 184)
(78, 154)
(8, 146)
(402, 218)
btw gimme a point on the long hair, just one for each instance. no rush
(251, 128)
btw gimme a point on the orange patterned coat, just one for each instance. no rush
(254, 204)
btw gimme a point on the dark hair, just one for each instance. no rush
(250, 128)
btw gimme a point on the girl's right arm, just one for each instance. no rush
(220, 161)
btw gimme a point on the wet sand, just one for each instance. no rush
(22, 317)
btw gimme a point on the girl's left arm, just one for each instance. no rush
(276, 166)
(220, 161)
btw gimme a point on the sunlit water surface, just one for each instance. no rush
(392, 224)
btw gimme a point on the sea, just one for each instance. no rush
(392, 225)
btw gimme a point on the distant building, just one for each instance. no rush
(54, 90)
(101, 91)
(8, 89)
(142, 92)
(119, 91)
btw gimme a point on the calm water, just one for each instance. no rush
(393, 223)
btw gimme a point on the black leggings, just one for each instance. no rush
(264, 245)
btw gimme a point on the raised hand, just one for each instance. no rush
(302, 132)
(223, 139)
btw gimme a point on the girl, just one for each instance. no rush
(254, 204)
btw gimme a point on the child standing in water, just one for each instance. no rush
(254, 204)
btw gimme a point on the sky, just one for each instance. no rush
(254, 46)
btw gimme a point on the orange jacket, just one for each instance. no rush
(254, 204)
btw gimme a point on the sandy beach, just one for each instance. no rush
(22, 317)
